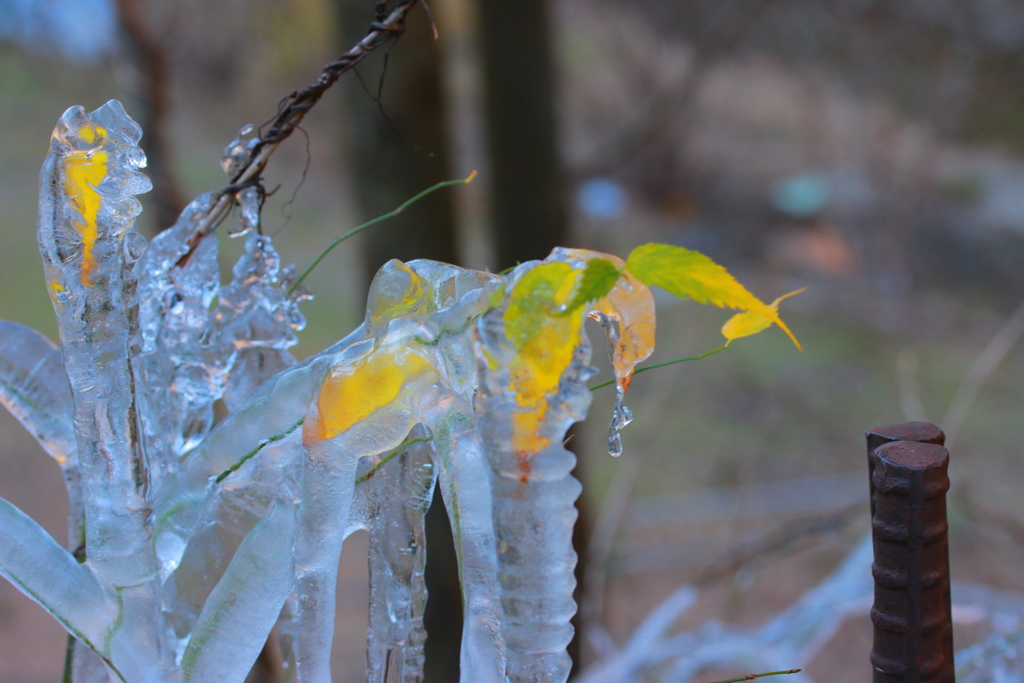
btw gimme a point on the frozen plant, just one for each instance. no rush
(189, 540)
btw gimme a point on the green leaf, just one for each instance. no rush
(598, 279)
(689, 274)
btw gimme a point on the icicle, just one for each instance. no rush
(362, 408)
(466, 490)
(621, 414)
(182, 366)
(533, 364)
(250, 202)
(399, 493)
(367, 405)
(257, 319)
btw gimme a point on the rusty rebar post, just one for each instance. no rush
(913, 627)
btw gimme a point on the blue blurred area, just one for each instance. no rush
(802, 195)
(602, 198)
(83, 30)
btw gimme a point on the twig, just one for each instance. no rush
(908, 386)
(661, 365)
(750, 677)
(379, 219)
(291, 112)
(982, 368)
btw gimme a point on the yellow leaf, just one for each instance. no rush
(748, 323)
(690, 274)
(83, 172)
(352, 392)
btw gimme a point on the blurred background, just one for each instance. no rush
(870, 151)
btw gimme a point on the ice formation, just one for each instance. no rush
(189, 538)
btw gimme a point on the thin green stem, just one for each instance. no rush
(750, 677)
(379, 219)
(661, 365)
(69, 660)
(262, 444)
(383, 461)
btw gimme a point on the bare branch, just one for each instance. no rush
(294, 108)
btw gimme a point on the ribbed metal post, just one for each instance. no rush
(913, 640)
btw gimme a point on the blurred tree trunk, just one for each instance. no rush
(386, 166)
(151, 87)
(527, 182)
(387, 169)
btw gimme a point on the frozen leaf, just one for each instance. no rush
(351, 393)
(544, 344)
(626, 314)
(690, 274)
(85, 219)
(629, 304)
(534, 364)
(749, 323)
(397, 291)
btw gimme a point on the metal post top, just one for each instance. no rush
(913, 455)
(923, 432)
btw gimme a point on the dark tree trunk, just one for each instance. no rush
(391, 163)
(527, 181)
(151, 90)
(528, 184)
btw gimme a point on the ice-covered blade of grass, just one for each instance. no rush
(243, 607)
(34, 387)
(41, 569)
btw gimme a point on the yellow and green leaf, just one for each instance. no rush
(544, 343)
(689, 274)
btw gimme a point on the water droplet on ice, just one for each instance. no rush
(237, 151)
(170, 547)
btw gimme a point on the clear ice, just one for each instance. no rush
(213, 479)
